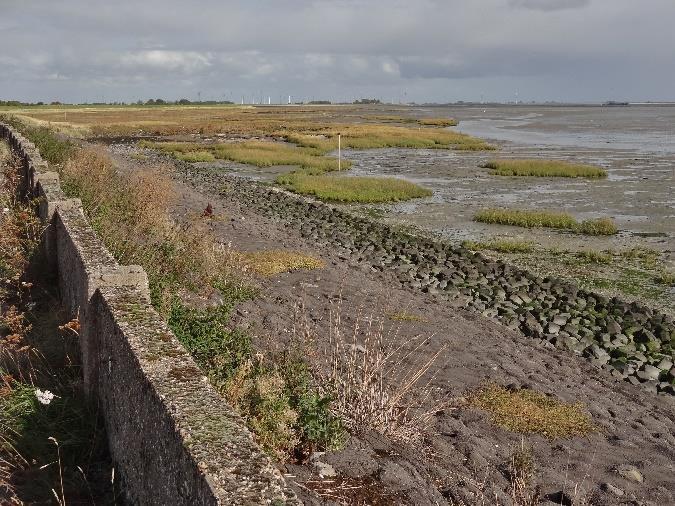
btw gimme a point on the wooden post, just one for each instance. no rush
(339, 152)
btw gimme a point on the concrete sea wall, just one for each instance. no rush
(173, 439)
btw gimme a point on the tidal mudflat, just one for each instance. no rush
(635, 145)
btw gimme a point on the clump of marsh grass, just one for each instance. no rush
(438, 122)
(195, 156)
(258, 153)
(529, 412)
(352, 189)
(368, 136)
(376, 383)
(500, 245)
(547, 219)
(598, 226)
(666, 277)
(595, 257)
(543, 168)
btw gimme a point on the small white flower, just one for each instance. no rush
(44, 397)
(5, 210)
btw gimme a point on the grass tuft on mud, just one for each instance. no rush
(273, 262)
(529, 412)
(334, 188)
(546, 219)
(543, 168)
(500, 245)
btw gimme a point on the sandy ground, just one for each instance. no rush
(462, 458)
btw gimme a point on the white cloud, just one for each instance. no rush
(185, 61)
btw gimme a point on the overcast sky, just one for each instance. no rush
(397, 50)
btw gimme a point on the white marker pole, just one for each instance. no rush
(339, 152)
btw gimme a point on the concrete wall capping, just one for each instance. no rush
(173, 438)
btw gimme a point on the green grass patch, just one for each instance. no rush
(599, 226)
(529, 412)
(258, 153)
(352, 189)
(195, 156)
(276, 395)
(438, 122)
(501, 246)
(543, 168)
(546, 219)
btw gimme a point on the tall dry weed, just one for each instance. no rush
(378, 380)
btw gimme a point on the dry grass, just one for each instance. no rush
(302, 125)
(273, 262)
(376, 383)
(529, 412)
(521, 473)
(543, 168)
(386, 136)
(130, 214)
(547, 219)
(352, 189)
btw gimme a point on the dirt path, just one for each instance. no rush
(464, 456)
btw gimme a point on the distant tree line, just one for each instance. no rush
(182, 101)
(152, 101)
(367, 101)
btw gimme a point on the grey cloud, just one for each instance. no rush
(429, 49)
(549, 5)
